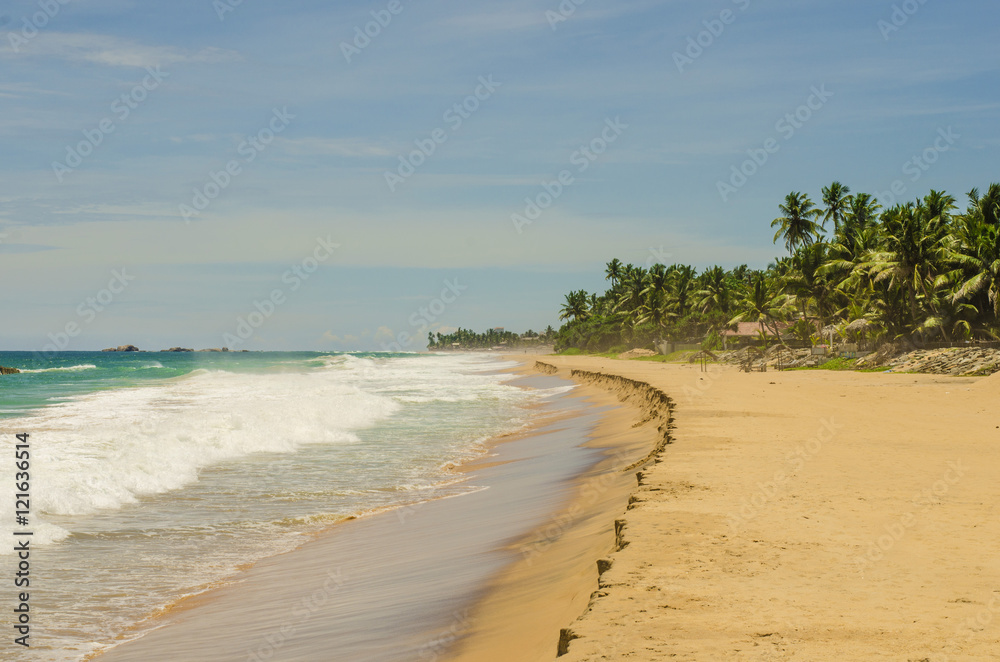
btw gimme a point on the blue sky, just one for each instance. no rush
(551, 79)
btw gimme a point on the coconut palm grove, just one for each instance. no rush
(914, 273)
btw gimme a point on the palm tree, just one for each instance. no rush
(862, 214)
(948, 315)
(806, 281)
(716, 293)
(835, 197)
(653, 308)
(987, 208)
(575, 307)
(630, 301)
(980, 257)
(939, 204)
(761, 302)
(798, 225)
(916, 248)
(682, 282)
(741, 274)
(613, 272)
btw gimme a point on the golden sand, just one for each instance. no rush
(811, 515)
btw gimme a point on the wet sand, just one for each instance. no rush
(550, 579)
(811, 515)
(409, 583)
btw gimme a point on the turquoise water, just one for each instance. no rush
(155, 475)
(47, 380)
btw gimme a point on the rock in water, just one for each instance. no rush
(122, 348)
(8, 371)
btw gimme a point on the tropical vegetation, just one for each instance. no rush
(914, 273)
(465, 339)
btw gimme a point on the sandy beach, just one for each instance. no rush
(811, 515)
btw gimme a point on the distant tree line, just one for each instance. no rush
(468, 339)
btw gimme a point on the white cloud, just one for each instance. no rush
(349, 147)
(195, 138)
(332, 337)
(497, 21)
(115, 51)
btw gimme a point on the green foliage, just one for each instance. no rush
(916, 272)
(833, 364)
(803, 331)
(680, 356)
(467, 339)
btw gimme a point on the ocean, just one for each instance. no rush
(156, 476)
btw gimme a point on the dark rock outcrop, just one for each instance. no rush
(177, 349)
(122, 348)
(8, 371)
(215, 349)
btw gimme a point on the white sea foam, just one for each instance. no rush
(72, 368)
(107, 449)
(554, 391)
(448, 378)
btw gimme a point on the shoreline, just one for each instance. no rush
(218, 605)
(525, 610)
